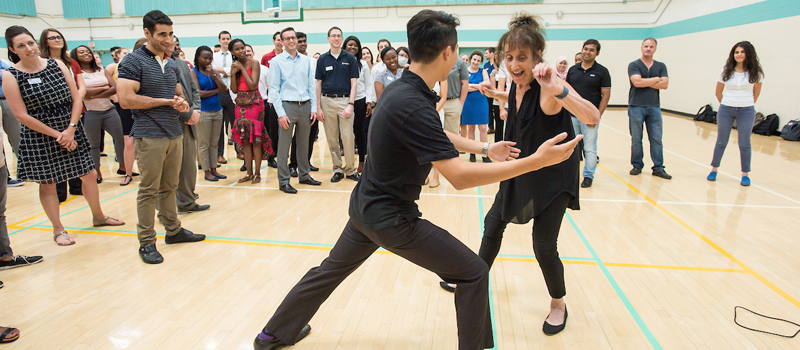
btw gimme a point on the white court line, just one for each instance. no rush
(484, 196)
(706, 166)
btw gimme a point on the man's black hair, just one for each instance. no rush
(155, 17)
(429, 32)
(301, 35)
(278, 34)
(592, 42)
(218, 45)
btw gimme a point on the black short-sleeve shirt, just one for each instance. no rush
(154, 82)
(336, 72)
(645, 97)
(589, 82)
(405, 137)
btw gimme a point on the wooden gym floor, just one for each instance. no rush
(649, 263)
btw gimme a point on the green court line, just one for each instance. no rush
(79, 209)
(653, 342)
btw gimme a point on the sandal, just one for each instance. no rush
(126, 180)
(8, 331)
(66, 236)
(104, 222)
(256, 179)
(246, 178)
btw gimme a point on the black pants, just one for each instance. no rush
(228, 117)
(499, 124)
(418, 241)
(360, 112)
(75, 188)
(545, 238)
(312, 136)
(273, 129)
(491, 113)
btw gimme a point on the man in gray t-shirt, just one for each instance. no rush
(647, 77)
(457, 89)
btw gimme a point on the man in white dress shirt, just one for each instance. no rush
(222, 65)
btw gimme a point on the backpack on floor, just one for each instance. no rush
(791, 131)
(767, 127)
(706, 114)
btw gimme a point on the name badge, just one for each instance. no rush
(390, 78)
(329, 68)
(34, 81)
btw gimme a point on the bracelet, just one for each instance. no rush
(351, 103)
(485, 151)
(563, 94)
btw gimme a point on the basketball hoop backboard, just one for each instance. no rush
(271, 11)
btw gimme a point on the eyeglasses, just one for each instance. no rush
(54, 38)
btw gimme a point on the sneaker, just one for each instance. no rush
(20, 261)
(745, 181)
(636, 171)
(712, 176)
(15, 183)
(587, 182)
(662, 174)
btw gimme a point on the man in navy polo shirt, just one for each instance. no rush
(593, 82)
(337, 74)
(149, 85)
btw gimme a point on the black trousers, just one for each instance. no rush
(418, 241)
(499, 124)
(273, 130)
(228, 117)
(312, 136)
(360, 112)
(546, 227)
(491, 113)
(75, 188)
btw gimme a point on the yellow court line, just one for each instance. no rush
(709, 242)
(70, 199)
(296, 246)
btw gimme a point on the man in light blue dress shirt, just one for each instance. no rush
(292, 90)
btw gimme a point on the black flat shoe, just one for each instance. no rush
(211, 178)
(635, 171)
(293, 172)
(553, 330)
(221, 177)
(354, 177)
(587, 182)
(150, 255)
(287, 188)
(184, 236)
(310, 181)
(337, 177)
(313, 168)
(243, 168)
(447, 287)
(196, 208)
(272, 164)
(275, 343)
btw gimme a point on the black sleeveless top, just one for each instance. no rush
(524, 197)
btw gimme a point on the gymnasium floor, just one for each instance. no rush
(649, 263)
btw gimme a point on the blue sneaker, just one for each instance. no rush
(14, 183)
(712, 176)
(745, 181)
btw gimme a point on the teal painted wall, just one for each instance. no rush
(86, 8)
(18, 7)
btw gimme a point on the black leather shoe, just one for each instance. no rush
(214, 178)
(662, 174)
(447, 287)
(243, 168)
(150, 255)
(354, 177)
(272, 163)
(313, 168)
(553, 330)
(636, 171)
(196, 208)
(587, 182)
(184, 236)
(287, 188)
(221, 177)
(472, 158)
(263, 344)
(293, 172)
(310, 181)
(337, 177)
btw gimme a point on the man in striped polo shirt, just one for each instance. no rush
(149, 85)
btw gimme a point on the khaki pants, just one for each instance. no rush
(336, 126)
(452, 115)
(159, 163)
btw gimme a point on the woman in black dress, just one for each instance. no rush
(539, 108)
(53, 146)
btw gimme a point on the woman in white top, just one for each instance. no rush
(738, 88)
(365, 99)
(100, 112)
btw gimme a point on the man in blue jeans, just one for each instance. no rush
(647, 77)
(593, 82)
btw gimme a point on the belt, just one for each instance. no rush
(335, 95)
(452, 98)
(296, 102)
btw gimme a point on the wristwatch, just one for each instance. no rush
(73, 125)
(485, 151)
